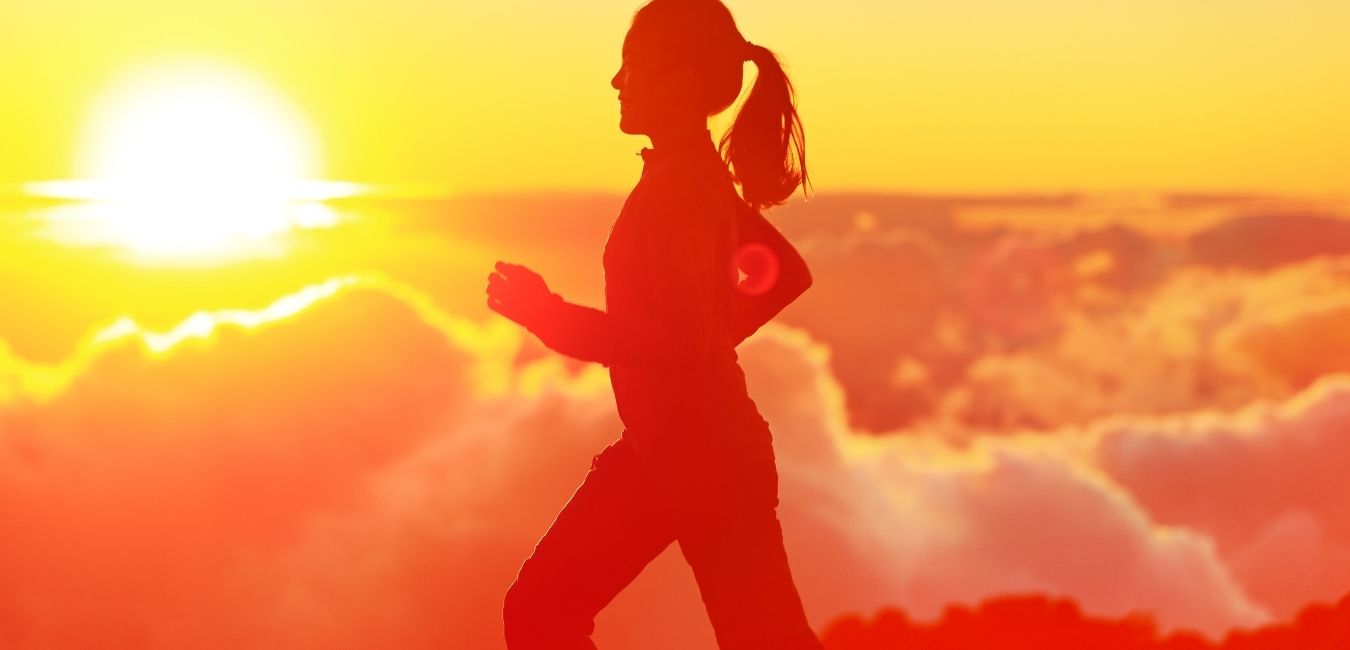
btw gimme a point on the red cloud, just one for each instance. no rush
(1267, 484)
(1039, 622)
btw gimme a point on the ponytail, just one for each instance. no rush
(766, 146)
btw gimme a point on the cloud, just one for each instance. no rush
(1288, 326)
(919, 521)
(1268, 484)
(135, 497)
(1045, 312)
(1268, 240)
(1203, 339)
(371, 471)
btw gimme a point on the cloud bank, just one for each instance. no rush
(371, 471)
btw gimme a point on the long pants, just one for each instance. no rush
(622, 516)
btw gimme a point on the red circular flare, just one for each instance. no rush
(761, 266)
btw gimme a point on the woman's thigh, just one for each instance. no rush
(600, 540)
(734, 544)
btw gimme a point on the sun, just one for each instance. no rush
(191, 158)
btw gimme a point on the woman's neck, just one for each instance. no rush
(676, 133)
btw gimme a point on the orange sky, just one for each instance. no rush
(921, 95)
(274, 423)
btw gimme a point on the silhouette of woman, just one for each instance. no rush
(695, 461)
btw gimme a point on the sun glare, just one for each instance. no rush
(191, 159)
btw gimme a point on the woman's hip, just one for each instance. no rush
(701, 483)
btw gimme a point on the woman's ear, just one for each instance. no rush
(683, 81)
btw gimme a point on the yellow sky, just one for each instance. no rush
(907, 95)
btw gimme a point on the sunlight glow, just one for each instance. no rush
(192, 158)
(202, 325)
(494, 344)
(23, 379)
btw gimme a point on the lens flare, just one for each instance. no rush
(193, 158)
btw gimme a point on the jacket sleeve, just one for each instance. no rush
(578, 331)
(677, 275)
(750, 312)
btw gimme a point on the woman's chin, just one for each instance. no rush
(629, 125)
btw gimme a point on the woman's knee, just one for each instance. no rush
(535, 618)
(522, 609)
(531, 606)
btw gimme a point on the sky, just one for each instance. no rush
(915, 96)
(241, 411)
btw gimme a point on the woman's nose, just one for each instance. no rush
(616, 81)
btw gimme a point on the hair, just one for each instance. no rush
(765, 147)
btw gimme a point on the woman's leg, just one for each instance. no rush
(732, 539)
(608, 531)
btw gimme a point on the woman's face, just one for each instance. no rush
(650, 90)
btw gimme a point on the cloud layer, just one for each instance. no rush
(373, 470)
(1127, 419)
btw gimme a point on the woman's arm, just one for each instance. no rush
(752, 309)
(676, 273)
(676, 327)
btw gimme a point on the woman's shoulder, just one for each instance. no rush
(689, 184)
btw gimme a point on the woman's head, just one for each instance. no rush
(683, 61)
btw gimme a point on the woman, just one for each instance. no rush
(695, 461)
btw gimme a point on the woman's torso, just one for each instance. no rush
(700, 408)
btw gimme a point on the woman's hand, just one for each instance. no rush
(519, 294)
